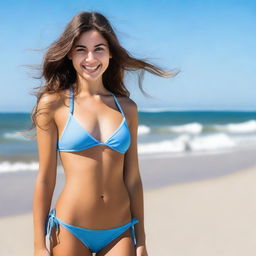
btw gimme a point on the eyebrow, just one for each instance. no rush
(83, 46)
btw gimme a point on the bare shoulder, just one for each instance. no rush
(129, 107)
(50, 101)
(49, 98)
(47, 105)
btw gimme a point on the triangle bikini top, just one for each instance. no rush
(75, 138)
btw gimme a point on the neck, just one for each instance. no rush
(86, 87)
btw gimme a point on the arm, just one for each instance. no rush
(46, 132)
(132, 176)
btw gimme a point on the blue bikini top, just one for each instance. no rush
(75, 138)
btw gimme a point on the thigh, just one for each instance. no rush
(66, 244)
(122, 245)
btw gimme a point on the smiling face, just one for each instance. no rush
(90, 55)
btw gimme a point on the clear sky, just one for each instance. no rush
(211, 42)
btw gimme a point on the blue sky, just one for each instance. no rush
(211, 42)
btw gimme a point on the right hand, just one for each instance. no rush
(41, 252)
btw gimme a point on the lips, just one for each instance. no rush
(91, 69)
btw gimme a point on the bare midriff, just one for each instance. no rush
(94, 195)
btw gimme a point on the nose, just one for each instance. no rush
(90, 56)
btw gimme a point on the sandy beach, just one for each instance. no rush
(186, 213)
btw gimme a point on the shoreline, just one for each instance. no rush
(210, 217)
(157, 171)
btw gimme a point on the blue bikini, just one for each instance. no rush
(93, 239)
(75, 138)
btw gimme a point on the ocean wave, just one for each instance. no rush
(192, 128)
(185, 143)
(212, 142)
(245, 127)
(19, 166)
(7, 166)
(14, 136)
(143, 129)
(175, 145)
(197, 128)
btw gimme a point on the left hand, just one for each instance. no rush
(141, 251)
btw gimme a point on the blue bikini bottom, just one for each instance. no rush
(93, 239)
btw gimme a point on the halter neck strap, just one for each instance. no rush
(117, 103)
(71, 101)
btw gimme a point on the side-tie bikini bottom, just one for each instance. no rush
(93, 239)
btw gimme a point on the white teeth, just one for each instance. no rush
(91, 68)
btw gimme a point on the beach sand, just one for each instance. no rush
(210, 215)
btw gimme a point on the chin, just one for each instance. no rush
(91, 77)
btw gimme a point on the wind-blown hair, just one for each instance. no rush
(59, 74)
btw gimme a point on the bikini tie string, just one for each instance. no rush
(51, 221)
(134, 221)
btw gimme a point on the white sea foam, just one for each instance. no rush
(185, 143)
(211, 142)
(192, 128)
(245, 140)
(143, 129)
(14, 136)
(20, 166)
(175, 145)
(7, 166)
(245, 127)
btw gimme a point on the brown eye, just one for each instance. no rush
(99, 49)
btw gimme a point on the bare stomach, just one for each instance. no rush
(94, 197)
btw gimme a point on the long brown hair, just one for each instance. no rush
(59, 74)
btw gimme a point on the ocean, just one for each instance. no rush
(176, 133)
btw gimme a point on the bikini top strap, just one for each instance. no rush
(117, 103)
(71, 101)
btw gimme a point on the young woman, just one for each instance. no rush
(84, 113)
